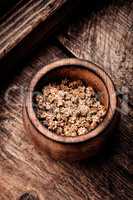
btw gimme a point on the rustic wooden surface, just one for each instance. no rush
(104, 37)
(22, 168)
(26, 19)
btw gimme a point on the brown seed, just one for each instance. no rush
(82, 131)
(69, 108)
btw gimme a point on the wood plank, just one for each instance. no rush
(26, 25)
(104, 37)
(24, 169)
(23, 21)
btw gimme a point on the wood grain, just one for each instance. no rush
(18, 171)
(23, 169)
(25, 20)
(105, 37)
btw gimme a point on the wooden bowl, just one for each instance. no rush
(79, 147)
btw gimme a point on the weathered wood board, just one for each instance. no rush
(105, 37)
(24, 18)
(24, 22)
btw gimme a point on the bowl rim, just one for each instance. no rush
(80, 63)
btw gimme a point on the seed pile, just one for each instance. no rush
(69, 108)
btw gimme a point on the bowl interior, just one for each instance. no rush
(75, 73)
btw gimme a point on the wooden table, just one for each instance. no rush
(103, 36)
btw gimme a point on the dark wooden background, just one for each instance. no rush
(6, 5)
(103, 35)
